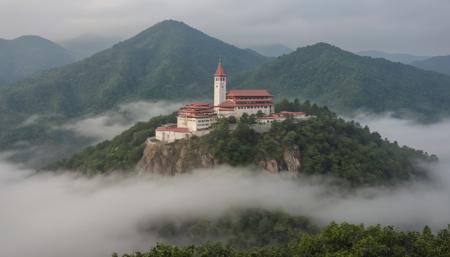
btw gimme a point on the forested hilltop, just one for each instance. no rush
(173, 61)
(23, 56)
(334, 240)
(168, 61)
(347, 82)
(327, 145)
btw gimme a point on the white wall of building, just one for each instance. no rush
(220, 89)
(194, 124)
(170, 136)
(239, 111)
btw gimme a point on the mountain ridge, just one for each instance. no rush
(347, 82)
(22, 56)
(439, 64)
(393, 57)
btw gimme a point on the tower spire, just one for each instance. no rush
(220, 84)
(219, 70)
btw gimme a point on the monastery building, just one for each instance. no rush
(197, 118)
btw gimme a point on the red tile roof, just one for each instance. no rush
(248, 92)
(227, 104)
(219, 70)
(199, 104)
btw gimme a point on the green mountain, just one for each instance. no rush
(393, 57)
(25, 55)
(170, 60)
(173, 61)
(333, 240)
(325, 145)
(439, 64)
(347, 82)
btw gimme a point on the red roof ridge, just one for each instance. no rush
(219, 70)
(248, 92)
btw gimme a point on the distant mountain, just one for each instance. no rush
(348, 82)
(170, 60)
(167, 61)
(274, 50)
(439, 64)
(173, 61)
(393, 57)
(88, 44)
(25, 55)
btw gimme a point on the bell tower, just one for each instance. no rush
(220, 85)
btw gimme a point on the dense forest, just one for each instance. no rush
(333, 240)
(237, 228)
(120, 153)
(26, 55)
(173, 61)
(347, 82)
(328, 145)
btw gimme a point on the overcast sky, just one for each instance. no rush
(412, 26)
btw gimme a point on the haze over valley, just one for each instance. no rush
(205, 128)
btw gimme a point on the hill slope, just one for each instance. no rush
(439, 64)
(25, 55)
(170, 60)
(348, 82)
(325, 145)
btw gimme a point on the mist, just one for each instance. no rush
(109, 124)
(71, 215)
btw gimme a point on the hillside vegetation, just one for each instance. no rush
(347, 82)
(25, 55)
(438, 63)
(334, 240)
(170, 60)
(120, 153)
(328, 146)
(238, 228)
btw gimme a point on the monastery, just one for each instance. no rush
(197, 118)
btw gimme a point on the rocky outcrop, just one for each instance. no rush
(289, 162)
(180, 156)
(291, 158)
(172, 159)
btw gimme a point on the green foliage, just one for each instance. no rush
(168, 61)
(238, 229)
(348, 82)
(25, 55)
(328, 146)
(120, 153)
(438, 63)
(334, 240)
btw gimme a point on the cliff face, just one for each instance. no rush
(179, 157)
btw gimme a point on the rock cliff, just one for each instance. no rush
(181, 156)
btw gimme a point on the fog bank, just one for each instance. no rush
(68, 215)
(111, 123)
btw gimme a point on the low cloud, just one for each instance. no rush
(70, 215)
(112, 123)
(433, 138)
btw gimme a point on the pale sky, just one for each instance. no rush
(419, 27)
